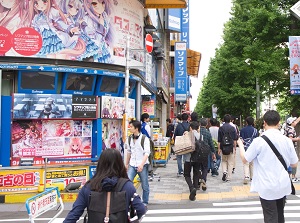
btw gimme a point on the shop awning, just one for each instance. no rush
(193, 62)
(165, 4)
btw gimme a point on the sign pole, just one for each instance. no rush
(126, 99)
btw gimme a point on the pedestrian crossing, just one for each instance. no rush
(248, 211)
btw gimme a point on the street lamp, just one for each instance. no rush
(248, 61)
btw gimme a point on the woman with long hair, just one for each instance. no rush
(109, 169)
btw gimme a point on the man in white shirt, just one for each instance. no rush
(137, 158)
(272, 182)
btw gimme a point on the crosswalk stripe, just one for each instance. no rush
(249, 203)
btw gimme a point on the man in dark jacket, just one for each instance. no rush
(180, 129)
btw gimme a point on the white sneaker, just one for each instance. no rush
(295, 180)
(246, 180)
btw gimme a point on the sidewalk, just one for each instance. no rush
(173, 189)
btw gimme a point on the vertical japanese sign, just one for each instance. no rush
(180, 71)
(185, 25)
(294, 48)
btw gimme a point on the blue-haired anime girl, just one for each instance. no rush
(97, 26)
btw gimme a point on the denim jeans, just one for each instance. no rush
(179, 163)
(132, 171)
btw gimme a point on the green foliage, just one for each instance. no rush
(255, 46)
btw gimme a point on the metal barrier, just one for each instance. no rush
(43, 202)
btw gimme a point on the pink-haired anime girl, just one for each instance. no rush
(75, 146)
(14, 14)
(97, 26)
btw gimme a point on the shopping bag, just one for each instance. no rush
(184, 144)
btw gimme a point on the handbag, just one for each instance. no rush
(184, 144)
(280, 159)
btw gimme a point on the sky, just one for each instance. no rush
(207, 19)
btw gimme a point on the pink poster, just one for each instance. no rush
(51, 138)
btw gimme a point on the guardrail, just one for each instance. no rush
(43, 202)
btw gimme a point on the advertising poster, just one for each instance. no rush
(84, 107)
(294, 48)
(68, 175)
(50, 138)
(84, 30)
(148, 106)
(42, 106)
(16, 181)
(114, 107)
(112, 135)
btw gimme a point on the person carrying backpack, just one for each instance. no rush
(110, 178)
(226, 146)
(137, 157)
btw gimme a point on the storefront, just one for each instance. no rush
(62, 75)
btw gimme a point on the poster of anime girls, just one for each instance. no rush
(114, 107)
(84, 30)
(51, 138)
(112, 135)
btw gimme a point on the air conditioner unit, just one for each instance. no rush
(296, 10)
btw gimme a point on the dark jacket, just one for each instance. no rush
(82, 200)
(181, 128)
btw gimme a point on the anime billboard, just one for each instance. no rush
(84, 30)
(50, 138)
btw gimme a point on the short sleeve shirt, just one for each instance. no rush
(270, 179)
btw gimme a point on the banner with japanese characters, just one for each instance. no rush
(50, 138)
(294, 49)
(83, 30)
(180, 68)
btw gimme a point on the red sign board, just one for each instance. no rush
(149, 43)
(5, 40)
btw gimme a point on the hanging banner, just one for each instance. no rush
(185, 25)
(294, 50)
(180, 71)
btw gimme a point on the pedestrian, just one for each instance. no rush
(178, 120)
(247, 134)
(290, 132)
(137, 158)
(207, 138)
(170, 132)
(180, 129)
(227, 159)
(271, 182)
(145, 129)
(232, 123)
(109, 169)
(214, 164)
(190, 165)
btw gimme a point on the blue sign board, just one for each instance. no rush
(180, 71)
(185, 25)
(174, 20)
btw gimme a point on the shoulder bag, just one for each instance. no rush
(184, 144)
(280, 159)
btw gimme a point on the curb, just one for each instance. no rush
(22, 197)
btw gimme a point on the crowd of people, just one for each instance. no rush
(271, 182)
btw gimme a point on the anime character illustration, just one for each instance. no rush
(63, 129)
(14, 14)
(44, 18)
(295, 70)
(49, 108)
(104, 135)
(75, 146)
(97, 25)
(106, 108)
(87, 128)
(76, 39)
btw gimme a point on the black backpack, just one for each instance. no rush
(202, 151)
(97, 205)
(227, 143)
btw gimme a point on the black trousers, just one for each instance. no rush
(273, 210)
(187, 174)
